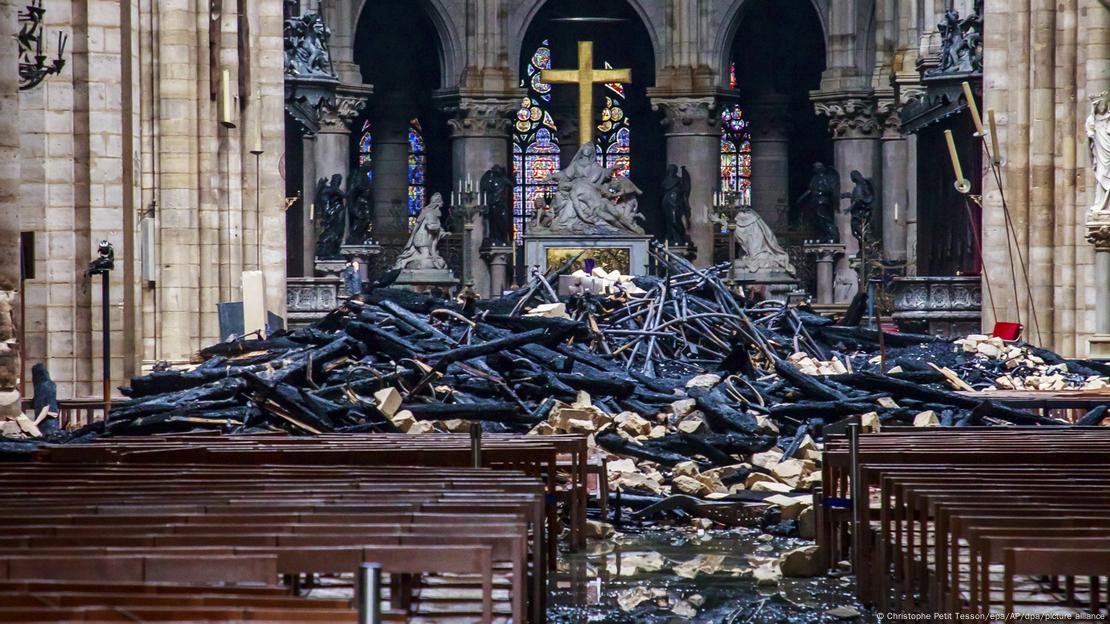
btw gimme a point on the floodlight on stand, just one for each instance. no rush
(962, 184)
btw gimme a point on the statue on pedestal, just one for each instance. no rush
(676, 206)
(359, 209)
(824, 196)
(1098, 139)
(762, 251)
(863, 199)
(331, 212)
(420, 251)
(497, 187)
(961, 43)
(590, 200)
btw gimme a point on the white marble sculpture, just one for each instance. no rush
(1098, 137)
(420, 251)
(762, 252)
(590, 199)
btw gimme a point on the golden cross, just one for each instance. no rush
(585, 77)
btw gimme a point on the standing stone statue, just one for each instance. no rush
(360, 210)
(824, 196)
(497, 186)
(676, 206)
(420, 251)
(332, 214)
(863, 200)
(1098, 138)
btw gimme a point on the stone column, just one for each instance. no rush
(498, 259)
(855, 132)
(333, 141)
(480, 132)
(770, 131)
(390, 189)
(692, 126)
(10, 366)
(308, 225)
(1098, 234)
(894, 193)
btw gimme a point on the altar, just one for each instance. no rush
(627, 253)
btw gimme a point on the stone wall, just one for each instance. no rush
(9, 221)
(130, 130)
(1043, 60)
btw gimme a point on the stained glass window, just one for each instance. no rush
(535, 144)
(366, 150)
(736, 153)
(613, 132)
(417, 170)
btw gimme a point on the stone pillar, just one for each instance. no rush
(855, 132)
(894, 192)
(770, 131)
(390, 189)
(10, 366)
(479, 140)
(692, 126)
(333, 141)
(1098, 234)
(498, 260)
(308, 225)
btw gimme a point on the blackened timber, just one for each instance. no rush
(807, 409)
(461, 354)
(897, 387)
(383, 341)
(496, 411)
(805, 383)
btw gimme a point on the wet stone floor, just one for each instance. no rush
(687, 575)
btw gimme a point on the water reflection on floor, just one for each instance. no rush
(685, 576)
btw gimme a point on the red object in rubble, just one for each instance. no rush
(1007, 331)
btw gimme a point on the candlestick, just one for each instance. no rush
(996, 154)
(953, 156)
(974, 108)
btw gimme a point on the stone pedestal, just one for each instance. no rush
(942, 306)
(365, 254)
(627, 254)
(424, 280)
(775, 285)
(692, 126)
(826, 255)
(498, 259)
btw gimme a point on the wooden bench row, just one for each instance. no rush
(306, 506)
(968, 520)
(305, 519)
(546, 456)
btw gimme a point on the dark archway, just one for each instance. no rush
(622, 40)
(778, 56)
(399, 52)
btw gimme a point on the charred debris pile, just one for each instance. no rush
(691, 390)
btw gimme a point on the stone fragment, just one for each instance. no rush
(550, 310)
(403, 420)
(807, 523)
(687, 469)
(928, 418)
(803, 562)
(689, 485)
(771, 486)
(388, 401)
(767, 575)
(843, 613)
(791, 505)
(708, 380)
(691, 424)
(598, 530)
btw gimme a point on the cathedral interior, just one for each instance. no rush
(650, 275)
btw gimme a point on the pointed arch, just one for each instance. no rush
(449, 52)
(729, 23)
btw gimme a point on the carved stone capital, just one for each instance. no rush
(890, 118)
(337, 113)
(685, 115)
(1098, 231)
(851, 116)
(481, 117)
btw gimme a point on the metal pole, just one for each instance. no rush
(369, 594)
(856, 495)
(476, 445)
(106, 311)
(732, 253)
